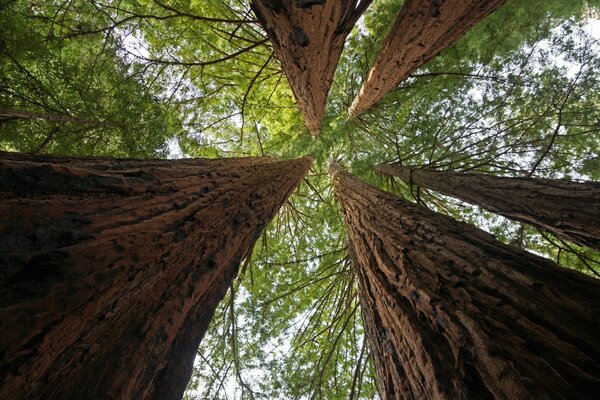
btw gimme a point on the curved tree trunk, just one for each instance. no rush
(452, 313)
(308, 38)
(111, 269)
(568, 210)
(421, 31)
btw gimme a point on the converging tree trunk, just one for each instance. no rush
(452, 313)
(111, 269)
(308, 38)
(568, 210)
(421, 31)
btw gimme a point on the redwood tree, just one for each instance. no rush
(569, 210)
(111, 269)
(308, 38)
(421, 31)
(452, 313)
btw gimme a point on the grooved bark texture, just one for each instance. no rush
(308, 38)
(111, 269)
(569, 210)
(422, 30)
(452, 313)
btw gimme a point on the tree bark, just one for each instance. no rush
(568, 210)
(421, 31)
(308, 38)
(452, 313)
(111, 269)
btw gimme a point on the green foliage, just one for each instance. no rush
(74, 95)
(517, 96)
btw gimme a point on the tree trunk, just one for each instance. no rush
(452, 313)
(308, 38)
(421, 31)
(111, 269)
(568, 210)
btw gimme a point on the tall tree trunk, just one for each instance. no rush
(421, 31)
(568, 210)
(308, 38)
(110, 270)
(452, 313)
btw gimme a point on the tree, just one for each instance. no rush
(308, 38)
(287, 301)
(112, 269)
(569, 210)
(521, 86)
(74, 96)
(453, 313)
(421, 31)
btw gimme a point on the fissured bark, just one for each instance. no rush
(421, 31)
(111, 269)
(308, 38)
(568, 210)
(452, 313)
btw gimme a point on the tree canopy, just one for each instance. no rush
(518, 95)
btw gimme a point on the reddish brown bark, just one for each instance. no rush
(452, 313)
(308, 38)
(569, 210)
(111, 269)
(421, 31)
